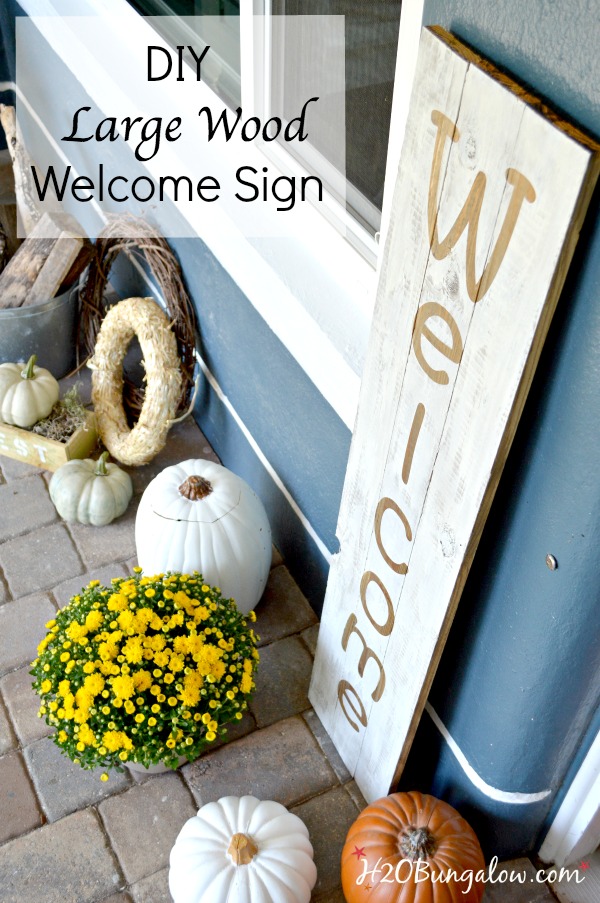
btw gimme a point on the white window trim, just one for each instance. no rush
(575, 831)
(336, 272)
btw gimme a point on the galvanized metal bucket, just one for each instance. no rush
(48, 330)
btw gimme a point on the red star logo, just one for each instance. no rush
(585, 865)
(359, 852)
(368, 886)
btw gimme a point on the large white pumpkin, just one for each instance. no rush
(199, 516)
(242, 850)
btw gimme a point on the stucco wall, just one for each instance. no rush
(518, 684)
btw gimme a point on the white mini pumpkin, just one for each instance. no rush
(242, 850)
(199, 516)
(91, 492)
(27, 393)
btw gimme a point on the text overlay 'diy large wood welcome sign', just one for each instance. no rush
(487, 208)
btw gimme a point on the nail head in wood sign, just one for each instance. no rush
(490, 196)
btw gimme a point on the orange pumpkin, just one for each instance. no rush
(412, 848)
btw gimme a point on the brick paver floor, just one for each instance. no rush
(67, 837)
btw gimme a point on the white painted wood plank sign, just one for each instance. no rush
(489, 199)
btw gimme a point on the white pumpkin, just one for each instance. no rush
(199, 516)
(27, 393)
(91, 492)
(242, 850)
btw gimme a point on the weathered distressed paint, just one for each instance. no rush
(518, 683)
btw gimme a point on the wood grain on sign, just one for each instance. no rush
(490, 196)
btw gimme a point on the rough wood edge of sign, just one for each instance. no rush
(55, 453)
(532, 100)
(543, 325)
(144, 318)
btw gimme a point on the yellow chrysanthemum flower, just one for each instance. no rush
(132, 650)
(115, 740)
(142, 680)
(117, 602)
(93, 620)
(125, 619)
(123, 686)
(93, 684)
(246, 683)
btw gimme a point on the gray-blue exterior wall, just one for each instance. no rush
(518, 685)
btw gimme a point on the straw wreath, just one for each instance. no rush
(136, 238)
(141, 317)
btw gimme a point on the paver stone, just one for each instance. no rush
(19, 811)
(143, 823)
(282, 762)
(64, 787)
(22, 626)
(65, 862)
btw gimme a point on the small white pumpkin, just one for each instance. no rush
(199, 516)
(242, 850)
(91, 492)
(27, 393)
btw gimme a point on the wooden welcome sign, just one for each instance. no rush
(488, 204)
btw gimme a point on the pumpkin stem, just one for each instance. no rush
(417, 843)
(101, 470)
(195, 488)
(242, 849)
(28, 373)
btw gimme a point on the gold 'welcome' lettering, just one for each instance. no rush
(366, 654)
(348, 695)
(386, 628)
(420, 331)
(382, 507)
(468, 218)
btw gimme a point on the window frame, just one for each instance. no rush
(278, 283)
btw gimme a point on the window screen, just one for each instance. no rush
(371, 45)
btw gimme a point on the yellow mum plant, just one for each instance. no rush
(148, 670)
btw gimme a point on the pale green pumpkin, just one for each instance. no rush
(91, 492)
(27, 393)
